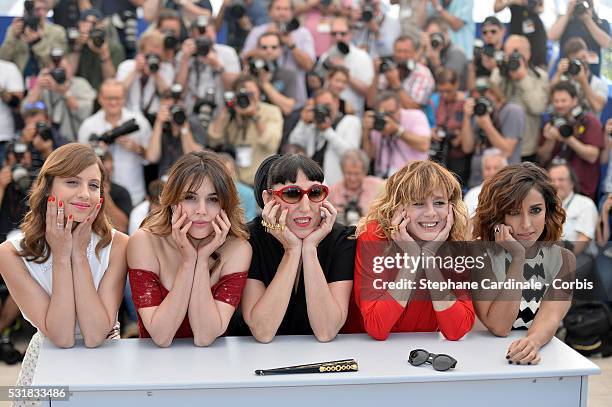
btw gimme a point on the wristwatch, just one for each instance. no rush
(399, 132)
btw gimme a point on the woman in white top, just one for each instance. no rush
(67, 270)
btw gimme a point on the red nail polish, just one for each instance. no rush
(101, 201)
(98, 206)
(61, 204)
(52, 199)
(49, 199)
(70, 217)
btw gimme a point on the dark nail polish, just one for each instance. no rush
(529, 363)
(510, 362)
(518, 363)
(507, 356)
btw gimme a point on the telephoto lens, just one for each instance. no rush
(153, 61)
(98, 37)
(575, 65)
(243, 99)
(321, 113)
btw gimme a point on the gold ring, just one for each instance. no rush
(393, 229)
(280, 227)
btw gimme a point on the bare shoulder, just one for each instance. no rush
(236, 254)
(141, 253)
(10, 261)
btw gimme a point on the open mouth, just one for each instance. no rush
(428, 225)
(302, 222)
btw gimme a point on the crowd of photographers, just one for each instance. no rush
(343, 81)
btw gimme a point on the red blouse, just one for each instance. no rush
(379, 313)
(148, 291)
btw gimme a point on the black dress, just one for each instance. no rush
(336, 254)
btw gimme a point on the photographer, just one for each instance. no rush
(403, 74)
(252, 127)
(525, 85)
(358, 62)
(15, 180)
(352, 195)
(575, 136)
(11, 93)
(440, 52)
(458, 16)
(326, 135)
(129, 149)
(374, 31)
(592, 90)
(279, 84)
(485, 50)
(491, 121)
(238, 17)
(189, 10)
(298, 46)
(170, 25)
(206, 68)
(146, 76)
(39, 135)
(117, 201)
(392, 136)
(317, 16)
(525, 20)
(68, 99)
(29, 39)
(172, 135)
(446, 143)
(97, 52)
(580, 20)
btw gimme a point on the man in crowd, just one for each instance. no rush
(441, 52)
(11, 93)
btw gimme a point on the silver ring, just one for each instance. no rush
(60, 225)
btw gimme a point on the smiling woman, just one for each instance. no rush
(66, 271)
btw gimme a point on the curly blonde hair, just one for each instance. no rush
(414, 183)
(66, 161)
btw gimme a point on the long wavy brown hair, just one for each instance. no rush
(416, 182)
(187, 174)
(504, 193)
(67, 161)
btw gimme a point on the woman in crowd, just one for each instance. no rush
(188, 262)
(301, 273)
(420, 210)
(519, 210)
(337, 81)
(66, 270)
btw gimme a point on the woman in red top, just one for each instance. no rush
(421, 209)
(188, 261)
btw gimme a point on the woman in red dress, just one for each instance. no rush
(188, 261)
(420, 210)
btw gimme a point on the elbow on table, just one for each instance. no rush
(93, 342)
(502, 332)
(162, 341)
(64, 343)
(325, 336)
(377, 334)
(202, 341)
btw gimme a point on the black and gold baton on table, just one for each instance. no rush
(334, 366)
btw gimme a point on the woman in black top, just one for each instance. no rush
(301, 272)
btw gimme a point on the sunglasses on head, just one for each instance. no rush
(293, 194)
(439, 362)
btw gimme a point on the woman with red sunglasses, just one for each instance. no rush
(301, 272)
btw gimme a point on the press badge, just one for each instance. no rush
(528, 27)
(244, 156)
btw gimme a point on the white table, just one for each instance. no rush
(132, 372)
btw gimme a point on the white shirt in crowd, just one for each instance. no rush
(346, 136)
(144, 98)
(471, 199)
(128, 167)
(580, 217)
(360, 66)
(10, 81)
(138, 214)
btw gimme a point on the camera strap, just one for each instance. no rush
(65, 112)
(144, 107)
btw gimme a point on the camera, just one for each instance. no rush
(243, 98)
(258, 64)
(229, 98)
(321, 113)
(352, 212)
(44, 131)
(170, 40)
(286, 28)
(512, 64)
(20, 175)
(72, 35)
(575, 65)
(127, 24)
(367, 14)
(201, 23)
(203, 46)
(205, 107)
(380, 121)
(29, 16)
(387, 64)
(236, 10)
(566, 126)
(480, 49)
(438, 150)
(178, 114)
(483, 106)
(581, 8)
(98, 37)
(436, 40)
(59, 75)
(153, 62)
(110, 136)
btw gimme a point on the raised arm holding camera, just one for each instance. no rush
(325, 134)
(574, 135)
(440, 52)
(11, 94)
(374, 29)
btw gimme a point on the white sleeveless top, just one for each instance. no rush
(43, 273)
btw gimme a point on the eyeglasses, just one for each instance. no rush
(492, 32)
(293, 194)
(338, 33)
(266, 47)
(439, 362)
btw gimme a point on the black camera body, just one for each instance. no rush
(59, 75)
(203, 46)
(581, 8)
(564, 125)
(321, 113)
(438, 150)
(178, 114)
(170, 40)
(243, 98)
(205, 107)
(153, 62)
(380, 121)
(30, 19)
(387, 64)
(483, 106)
(256, 65)
(43, 130)
(110, 136)
(286, 28)
(97, 36)
(512, 64)
(368, 13)
(575, 66)
(236, 10)
(436, 40)
(72, 35)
